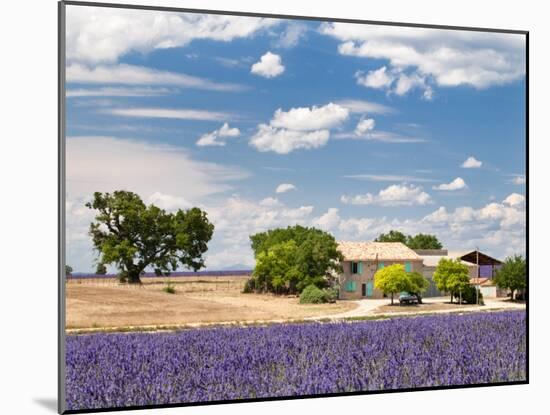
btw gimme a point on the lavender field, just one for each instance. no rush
(115, 370)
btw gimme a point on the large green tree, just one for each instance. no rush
(392, 236)
(392, 279)
(133, 236)
(68, 270)
(423, 241)
(451, 276)
(419, 284)
(512, 274)
(312, 258)
(418, 241)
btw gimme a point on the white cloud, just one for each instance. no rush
(379, 78)
(106, 164)
(124, 74)
(283, 141)
(456, 184)
(118, 92)
(382, 136)
(298, 128)
(329, 220)
(408, 82)
(471, 163)
(285, 187)
(364, 126)
(180, 113)
(518, 179)
(290, 37)
(168, 202)
(394, 195)
(361, 106)
(514, 199)
(97, 35)
(448, 57)
(212, 139)
(269, 66)
(307, 119)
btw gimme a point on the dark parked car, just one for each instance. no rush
(408, 298)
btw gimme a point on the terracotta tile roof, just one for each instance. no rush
(370, 251)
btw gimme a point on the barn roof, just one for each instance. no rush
(468, 258)
(381, 251)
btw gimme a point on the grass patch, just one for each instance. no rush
(169, 288)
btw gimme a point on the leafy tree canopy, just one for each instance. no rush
(512, 274)
(419, 241)
(451, 275)
(392, 236)
(394, 279)
(133, 236)
(289, 259)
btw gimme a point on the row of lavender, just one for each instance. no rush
(106, 370)
(225, 273)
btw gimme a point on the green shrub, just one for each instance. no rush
(170, 289)
(312, 295)
(469, 295)
(331, 295)
(249, 286)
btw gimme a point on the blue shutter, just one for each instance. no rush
(380, 265)
(408, 267)
(360, 268)
(353, 286)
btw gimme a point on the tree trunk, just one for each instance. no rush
(451, 297)
(391, 298)
(512, 295)
(133, 276)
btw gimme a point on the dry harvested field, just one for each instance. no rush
(94, 304)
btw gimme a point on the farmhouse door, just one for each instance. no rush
(369, 289)
(364, 290)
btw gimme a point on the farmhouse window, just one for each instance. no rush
(356, 267)
(408, 267)
(351, 286)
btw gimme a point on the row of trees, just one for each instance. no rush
(418, 241)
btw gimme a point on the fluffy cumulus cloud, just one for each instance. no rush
(298, 128)
(471, 163)
(419, 56)
(495, 227)
(307, 119)
(364, 126)
(285, 187)
(269, 66)
(514, 199)
(216, 137)
(103, 35)
(394, 195)
(378, 79)
(456, 184)
(282, 141)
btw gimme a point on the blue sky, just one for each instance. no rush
(356, 129)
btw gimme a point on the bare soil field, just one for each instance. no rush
(95, 304)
